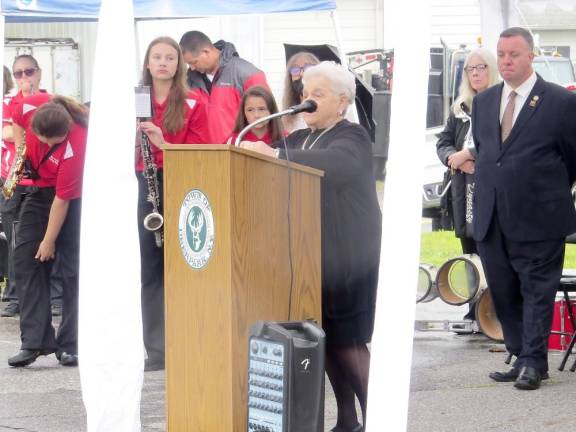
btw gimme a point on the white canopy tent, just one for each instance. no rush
(111, 349)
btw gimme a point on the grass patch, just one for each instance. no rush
(439, 246)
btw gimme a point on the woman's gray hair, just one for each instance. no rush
(465, 91)
(341, 79)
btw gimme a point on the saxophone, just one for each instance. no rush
(16, 171)
(154, 220)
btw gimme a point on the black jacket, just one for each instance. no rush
(351, 218)
(450, 141)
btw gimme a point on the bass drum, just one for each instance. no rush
(486, 318)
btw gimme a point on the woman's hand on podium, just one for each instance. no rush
(259, 147)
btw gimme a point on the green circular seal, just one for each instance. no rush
(196, 229)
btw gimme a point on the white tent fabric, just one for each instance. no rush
(111, 349)
(495, 16)
(54, 10)
(389, 383)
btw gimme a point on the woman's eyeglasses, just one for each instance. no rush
(299, 70)
(478, 68)
(28, 72)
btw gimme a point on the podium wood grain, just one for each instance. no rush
(260, 207)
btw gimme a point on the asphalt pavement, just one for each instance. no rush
(450, 389)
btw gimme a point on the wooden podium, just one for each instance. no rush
(234, 203)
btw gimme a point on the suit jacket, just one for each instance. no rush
(526, 180)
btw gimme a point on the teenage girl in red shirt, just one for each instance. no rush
(179, 117)
(49, 217)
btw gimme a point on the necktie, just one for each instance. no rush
(508, 117)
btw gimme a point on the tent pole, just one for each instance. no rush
(137, 47)
(2, 32)
(336, 24)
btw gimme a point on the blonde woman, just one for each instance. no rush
(456, 150)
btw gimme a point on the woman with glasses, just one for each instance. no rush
(457, 152)
(27, 76)
(178, 117)
(257, 102)
(293, 87)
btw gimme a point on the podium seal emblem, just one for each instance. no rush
(196, 229)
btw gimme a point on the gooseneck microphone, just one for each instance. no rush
(308, 106)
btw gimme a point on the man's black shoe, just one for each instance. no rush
(529, 379)
(153, 365)
(56, 309)
(26, 357)
(68, 359)
(511, 375)
(10, 310)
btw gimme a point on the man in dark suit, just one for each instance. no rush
(525, 134)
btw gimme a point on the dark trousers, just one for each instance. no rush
(33, 277)
(152, 277)
(10, 211)
(469, 247)
(523, 278)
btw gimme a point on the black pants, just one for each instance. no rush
(523, 278)
(10, 210)
(33, 276)
(152, 277)
(469, 247)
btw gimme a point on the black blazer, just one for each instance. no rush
(526, 179)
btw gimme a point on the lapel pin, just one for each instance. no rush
(534, 101)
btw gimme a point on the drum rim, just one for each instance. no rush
(482, 328)
(449, 263)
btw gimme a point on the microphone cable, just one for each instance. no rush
(290, 262)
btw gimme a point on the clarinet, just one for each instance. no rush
(154, 220)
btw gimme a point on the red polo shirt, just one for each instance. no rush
(193, 131)
(64, 168)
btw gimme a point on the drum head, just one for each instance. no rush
(486, 317)
(458, 281)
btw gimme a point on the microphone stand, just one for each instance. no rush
(257, 122)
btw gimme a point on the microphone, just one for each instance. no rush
(308, 106)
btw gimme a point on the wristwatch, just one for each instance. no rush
(277, 153)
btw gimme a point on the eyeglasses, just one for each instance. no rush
(299, 70)
(478, 68)
(28, 72)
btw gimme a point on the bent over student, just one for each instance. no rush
(56, 134)
(179, 117)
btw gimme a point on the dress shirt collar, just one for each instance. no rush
(523, 90)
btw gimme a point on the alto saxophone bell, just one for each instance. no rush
(153, 221)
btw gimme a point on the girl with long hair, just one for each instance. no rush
(178, 117)
(257, 102)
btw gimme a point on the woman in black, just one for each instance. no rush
(351, 231)
(456, 149)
